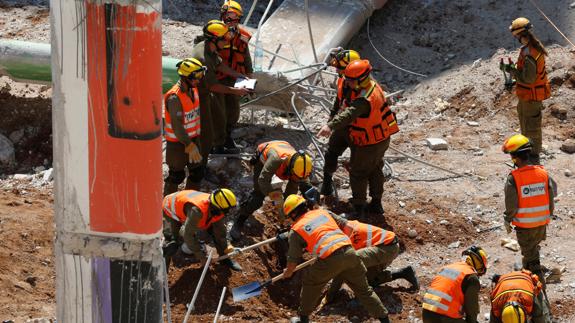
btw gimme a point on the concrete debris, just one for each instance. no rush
(510, 244)
(7, 153)
(478, 153)
(22, 177)
(568, 146)
(476, 63)
(554, 275)
(39, 169)
(444, 222)
(16, 136)
(412, 233)
(436, 143)
(401, 204)
(48, 175)
(568, 173)
(572, 5)
(440, 105)
(454, 245)
(473, 123)
(496, 194)
(559, 112)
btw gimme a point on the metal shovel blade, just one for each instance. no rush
(246, 291)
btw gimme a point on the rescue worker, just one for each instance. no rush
(190, 212)
(529, 193)
(182, 127)
(235, 55)
(338, 140)
(317, 232)
(532, 85)
(517, 298)
(278, 158)
(215, 37)
(370, 123)
(453, 296)
(377, 248)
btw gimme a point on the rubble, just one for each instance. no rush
(568, 146)
(436, 143)
(7, 153)
(510, 244)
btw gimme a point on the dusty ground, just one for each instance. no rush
(459, 44)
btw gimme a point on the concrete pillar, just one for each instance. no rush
(107, 101)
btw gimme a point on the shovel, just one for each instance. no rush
(255, 288)
(236, 252)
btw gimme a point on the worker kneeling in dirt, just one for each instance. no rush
(317, 232)
(370, 123)
(529, 193)
(282, 159)
(453, 296)
(377, 248)
(517, 298)
(191, 211)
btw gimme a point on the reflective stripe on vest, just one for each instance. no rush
(364, 235)
(516, 286)
(532, 184)
(320, 232)
(445, 296)
(379, 125)
(174, 203)
(190, 110)
(283, 149)
(540, 89)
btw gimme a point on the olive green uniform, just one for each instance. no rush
(470, 287)
(262, 179)
(528, 238)
(190, 231)
(376, 259)
(529, 112)
(342, 263)
(337, 144)
(215, 112)
(366, 161)
(176, 156)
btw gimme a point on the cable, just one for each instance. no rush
(551, 22)
(385, 59)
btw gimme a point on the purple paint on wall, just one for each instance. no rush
(102, 296)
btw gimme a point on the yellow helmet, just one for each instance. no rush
(520, 25)
(191, 68)
(291, 203)
(223, 199)
(516, 144)
(215, 29)
(300, 165)
(513, 313)
(232, 6)
(342, 58)
(476, 258)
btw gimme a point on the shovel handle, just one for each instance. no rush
(300, 266)
(255, 245)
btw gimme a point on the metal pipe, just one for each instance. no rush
(303, 68)
(257, 55)
(197, 291)
(220, 305)
(306, 4)
(250, 12)
(167, 293)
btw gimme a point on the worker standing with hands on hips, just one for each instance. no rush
(182, 127)
(453, 296)
(278, 158)
(236, 56)
(317, 232)
(338, 140)
(532, 85)
(529, 193)
(190, 212)
(370, 123)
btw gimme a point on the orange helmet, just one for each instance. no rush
(358, 70)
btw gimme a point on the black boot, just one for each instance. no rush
(327, 185)
(299, 319)
(407, 273)
(375, 207)
(170, 248)
(231, 147)
(232, 264)
(360, 211)
(384, 319)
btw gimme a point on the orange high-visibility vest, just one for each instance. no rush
(540, 89)
(516, 286)
(234, 55)
(320, 232)
(379, 124)
(174, 203)
(363, 235)
(191, 110)
(445, 296)
(284, 150)
(532, 183)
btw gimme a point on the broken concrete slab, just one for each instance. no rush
(436, 143)
(568, 146)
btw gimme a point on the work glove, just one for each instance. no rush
(508, 227)
(193, 153)
(230, 248)
(277, 199)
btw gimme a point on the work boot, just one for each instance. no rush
(232, 264)
(408, 274)
(299, 319)
(360, 211)
(218, 150)
(236, 231)
(375, 207)
(170, 248)
(384, 319)
(231, 147)
(327, 185)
